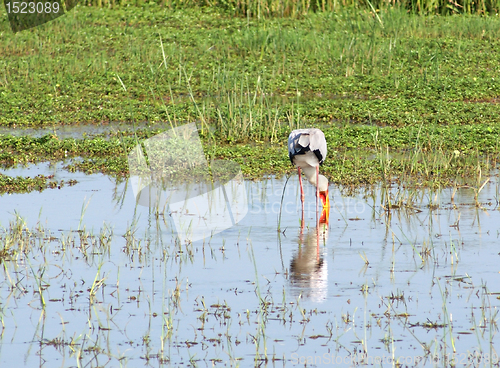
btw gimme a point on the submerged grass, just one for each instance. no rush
(255, 317)
(413, 156)
(20, 184)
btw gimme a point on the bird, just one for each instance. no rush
(307, 150)
(308, 268)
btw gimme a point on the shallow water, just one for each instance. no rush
(81, 130)
(120, 289)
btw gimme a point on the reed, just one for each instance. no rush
(297, 8)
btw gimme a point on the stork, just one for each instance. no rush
(307, 150)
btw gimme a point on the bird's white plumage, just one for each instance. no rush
(307, 150)
(305, 159)
(311, 140)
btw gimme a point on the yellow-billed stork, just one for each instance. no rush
(307, 150)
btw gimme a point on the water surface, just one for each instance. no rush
(118, 287)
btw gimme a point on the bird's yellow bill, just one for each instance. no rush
(325, 211)
(325, 200)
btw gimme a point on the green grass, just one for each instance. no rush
(20, 184)
(297, 8)
(71, 70)
(424, 89)
(426, 155)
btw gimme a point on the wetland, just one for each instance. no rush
(406, 273)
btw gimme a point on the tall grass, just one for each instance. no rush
(348, 65)
(297, 8)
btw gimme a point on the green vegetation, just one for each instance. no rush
(68, 275)
(431, 155)
(296, 8)
(21, 184)
(398, 95)
(97, 65)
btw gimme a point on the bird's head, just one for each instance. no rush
(323, 191)
(325, 210)
(325, 200)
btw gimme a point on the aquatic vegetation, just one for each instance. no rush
(22, 184)
(414, 156)
(409, 107)
(261, 75)
(128, 290)
(414, 99)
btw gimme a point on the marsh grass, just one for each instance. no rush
(443, 160)
(20, 184)
(365, 71)
(16, 240)
(214, 320)
(403, 88)
(297, 8)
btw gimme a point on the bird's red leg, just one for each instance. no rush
(301, 188)
(317, 194)
(301, 195)
(317, 211)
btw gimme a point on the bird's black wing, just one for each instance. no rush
(298, 143)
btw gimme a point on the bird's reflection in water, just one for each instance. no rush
(308, 268)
